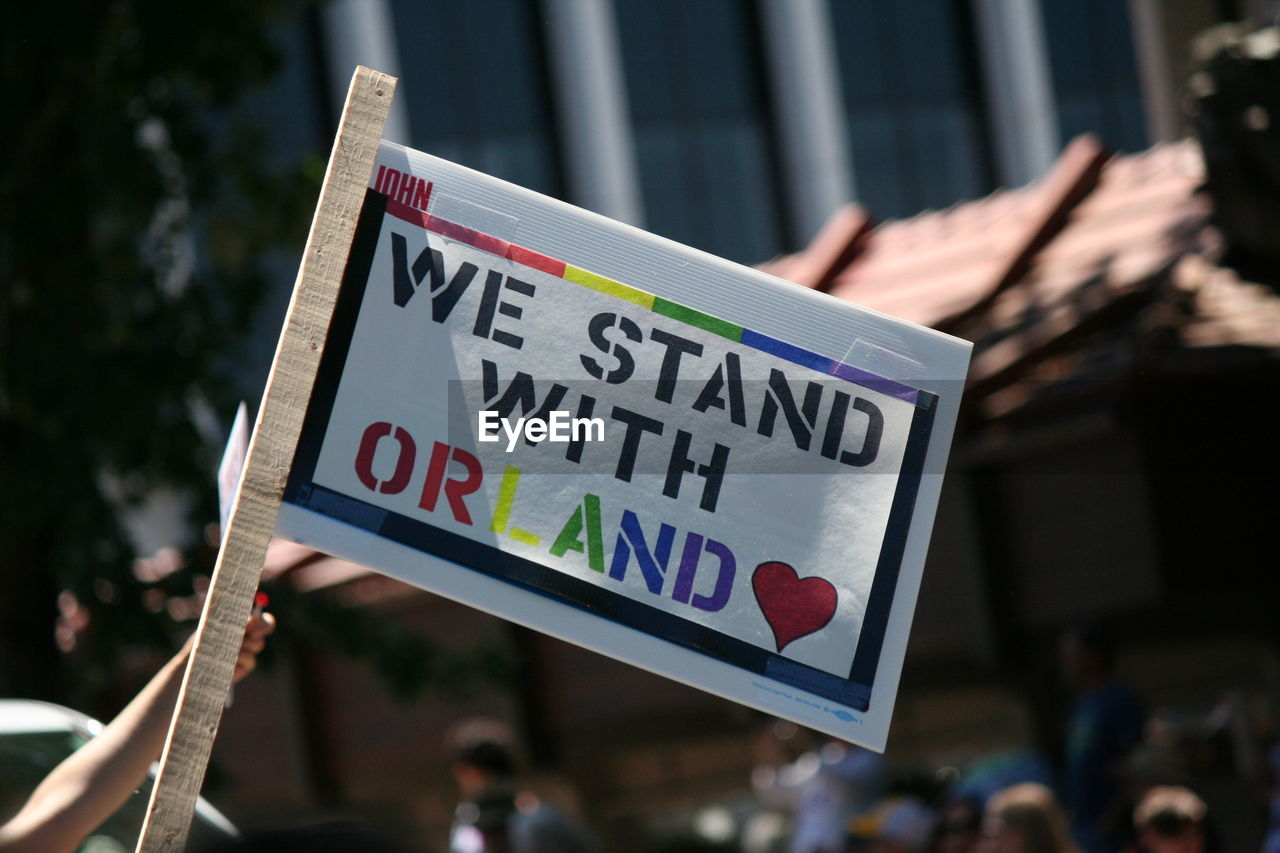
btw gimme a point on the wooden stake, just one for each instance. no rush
(275, 438)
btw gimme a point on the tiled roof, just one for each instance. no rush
(944, 264)
(1024, 272)
(1226, 311)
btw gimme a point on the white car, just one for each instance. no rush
(36, 736)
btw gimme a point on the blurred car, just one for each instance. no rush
(36, 736)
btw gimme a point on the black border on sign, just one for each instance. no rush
(301, 491)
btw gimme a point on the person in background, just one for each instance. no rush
(95, 780)
(825, 788)
(904, 827)
(1025, 818)
(1105, 724)
(959, 827)
(1271, 841)
(495, 815)
(1171, 819)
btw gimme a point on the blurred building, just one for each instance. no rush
(1116, 445)
(655, 112)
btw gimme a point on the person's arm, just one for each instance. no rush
(95, 780)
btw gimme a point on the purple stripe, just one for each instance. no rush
(830, 366)
(888, 387)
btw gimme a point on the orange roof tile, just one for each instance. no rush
(941, 264)
(1024, 271)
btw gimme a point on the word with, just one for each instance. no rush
(521, 391)
(560, 427)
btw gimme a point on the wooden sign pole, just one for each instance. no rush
(275, 438)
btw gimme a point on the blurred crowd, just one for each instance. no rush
(1126, 781)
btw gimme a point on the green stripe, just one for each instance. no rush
(715, 325)
(608, 285)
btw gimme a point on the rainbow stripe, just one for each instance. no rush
(665, 307)
(600, 284)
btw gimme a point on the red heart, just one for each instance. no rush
(793, 607)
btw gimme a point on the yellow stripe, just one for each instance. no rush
(605, 285)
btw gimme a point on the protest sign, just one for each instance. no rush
(626, 443)
(590, 430)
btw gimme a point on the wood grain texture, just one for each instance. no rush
(275, 438)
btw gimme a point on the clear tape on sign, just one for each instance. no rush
(884, 362)
(486, 220)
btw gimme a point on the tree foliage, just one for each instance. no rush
(120, 160)
(136, 216)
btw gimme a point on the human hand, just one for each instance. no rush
(255, 640)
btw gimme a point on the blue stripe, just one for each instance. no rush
(789, 352)
(356, 513)
(818, 682)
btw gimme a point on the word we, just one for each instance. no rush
(559, 427)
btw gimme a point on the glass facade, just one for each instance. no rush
(475, 82)
(1095, 73)
(699, 111)
(294, 124)
(912, 100)
(474, 78)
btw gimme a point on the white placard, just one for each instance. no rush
(735, 478)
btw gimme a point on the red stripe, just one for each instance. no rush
(453, 231)
(400, 210)
(521, 255)
(484, 242)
